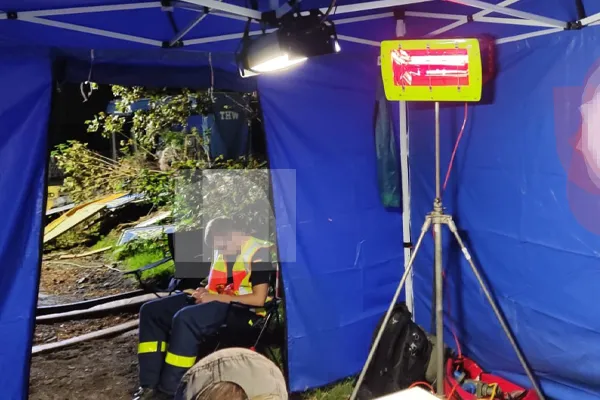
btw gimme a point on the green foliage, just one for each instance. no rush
(155, 246)
(141, 252)
(106, 241)
(340, 391)
(156, 147)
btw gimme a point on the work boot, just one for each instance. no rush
(150, 394)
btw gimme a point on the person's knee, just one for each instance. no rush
(150, 310)
(183, 317)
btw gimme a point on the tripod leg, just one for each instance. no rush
(497, 311)
(361, 377)
(439, 308)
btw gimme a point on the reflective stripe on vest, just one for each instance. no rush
(151, 347)
(180, 361)
(241, 271)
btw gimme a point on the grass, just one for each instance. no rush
(341, 391)
(134, 260)
(148, 257)
(109, 240)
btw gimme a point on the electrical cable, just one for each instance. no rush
(427, 385)
(450, 165)
(452, 391)
(462, 130)
(495, 386)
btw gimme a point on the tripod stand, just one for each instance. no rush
(436, 219)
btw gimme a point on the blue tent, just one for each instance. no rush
(523, 188)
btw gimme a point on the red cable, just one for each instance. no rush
(423, 384)
(452, 391)
(462, 130)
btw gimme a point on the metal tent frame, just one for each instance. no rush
(226, 10)
(232, 11)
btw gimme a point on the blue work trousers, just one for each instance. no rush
(170, 333)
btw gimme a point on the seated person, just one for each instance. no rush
(172, 328)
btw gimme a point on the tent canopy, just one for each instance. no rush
(101, 35)
(518, 188)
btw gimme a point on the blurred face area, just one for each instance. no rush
(226, 244)
(589, 143)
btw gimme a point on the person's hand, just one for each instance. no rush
(207, 298)
(198, 293)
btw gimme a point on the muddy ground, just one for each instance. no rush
(64, 281)
(68, 329)
(96, 370)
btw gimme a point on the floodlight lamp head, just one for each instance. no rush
(297, 38)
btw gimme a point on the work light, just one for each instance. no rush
(297, 38)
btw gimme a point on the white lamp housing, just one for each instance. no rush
(298, 38)
(266, 54)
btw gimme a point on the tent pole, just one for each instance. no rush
(284, 9)
(187, 29)
(439, 270)
(372, 5)
(406, 214)
(590, 20)
(477, 14)
(230, 8)
(359, 40)
(181, 4)
(514, 13)
(510, 21)
(233, 36)
(221, 38)
(405, 185)
(528, 35)
(349, 8)
(420, 14)
(90, 9)
(371, 17)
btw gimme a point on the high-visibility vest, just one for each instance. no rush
(241, 271)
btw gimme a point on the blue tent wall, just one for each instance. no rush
(532, 231)
(349, 253)
(24, 111)
(508, 193)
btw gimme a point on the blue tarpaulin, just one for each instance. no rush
(509, 193)
(349, 253)
(24, 112)
(523, 187)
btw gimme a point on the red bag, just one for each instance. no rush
(455, 391)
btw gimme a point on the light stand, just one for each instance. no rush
(437, 218)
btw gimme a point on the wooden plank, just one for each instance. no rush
(87, 253)
(77, 215)
(115, 330)
(73, 220)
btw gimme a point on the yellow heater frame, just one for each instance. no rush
(470, 92)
